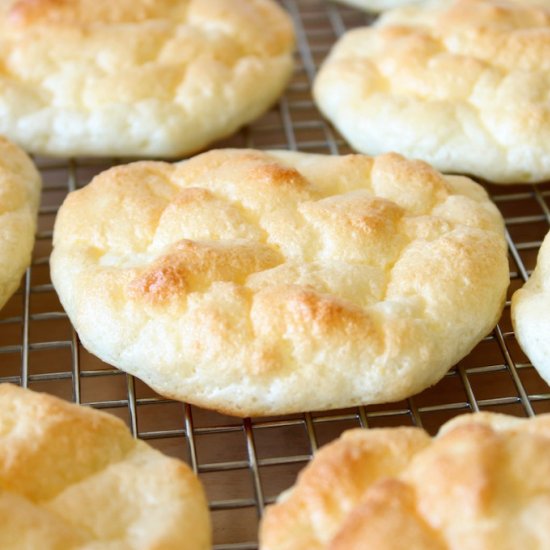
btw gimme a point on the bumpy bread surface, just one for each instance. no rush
(483, 483)
(73, 478)
(268, 282)
(137, 77)
(531, 313)
(463, 85)
(19, 197)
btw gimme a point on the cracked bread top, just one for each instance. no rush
(461, 84)
(268, 282)
(137, 77)
(482, 482)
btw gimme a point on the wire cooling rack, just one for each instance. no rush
(245, 464)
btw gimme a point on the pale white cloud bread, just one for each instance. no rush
(531, 313)
(269, 282)
(73, 478)
(462, 84)
(20, 186)
(483, 482)
(138, 77)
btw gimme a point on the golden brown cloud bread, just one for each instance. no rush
(19, 197)
(137, 77)
(463, 85)
(482, 482)
(259, 283)
(73, 478)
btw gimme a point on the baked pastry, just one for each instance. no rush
(138, 77)
(481, 483)
(258, 283)
(531, 313)
(462, 85)
(19, 197)
(74, 478)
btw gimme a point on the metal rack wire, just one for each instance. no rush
(246, 464)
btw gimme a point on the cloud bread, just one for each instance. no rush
(258, 283)
(531, 313)
(137, 77)
(483, 482)
(464, 85)
(73, 478)
(19, 197)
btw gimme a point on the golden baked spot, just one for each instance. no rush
(356, 227)
(192, 196)
(276, 174)
(471, 486)
(261, 282)
(192, 266)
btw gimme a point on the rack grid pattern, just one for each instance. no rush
(245, 464)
